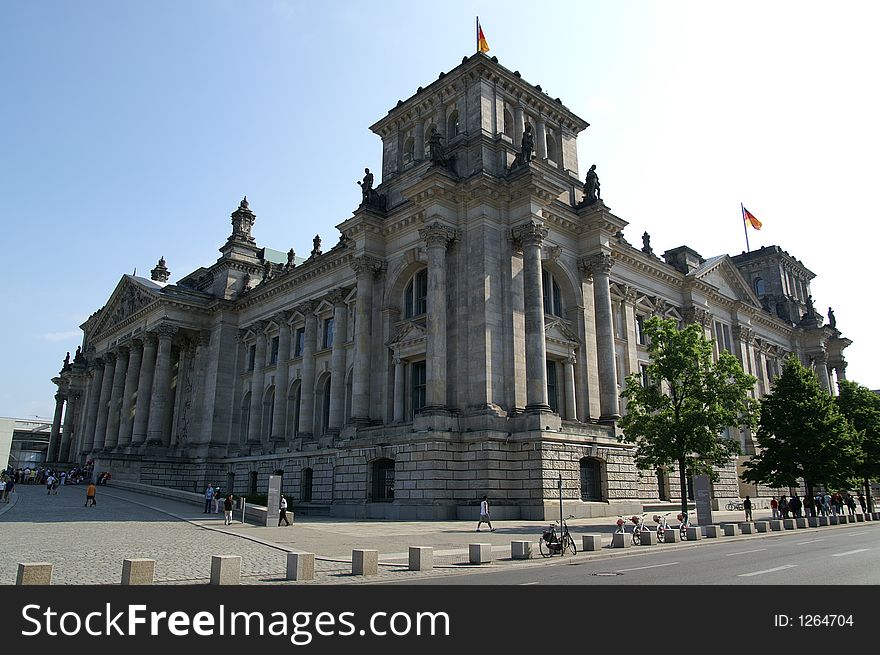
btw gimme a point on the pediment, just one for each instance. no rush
(722, 274)
(129, 298)
(559, 331)
(408, 333)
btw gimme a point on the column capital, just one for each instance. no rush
(136, 343)
(696, 315)
(166, 330)
(337, 296)
(367, 265)
(630, 293)
(571, 359)
(742, 333)
(307, 307)
(204, 338)
(438, 235)
(150, 339)
(109, 358)
(599, 263)
(532, 233)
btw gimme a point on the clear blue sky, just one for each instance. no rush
(131, 131)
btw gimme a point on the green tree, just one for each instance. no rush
(802, 435)
(861, 407)
(689, 399)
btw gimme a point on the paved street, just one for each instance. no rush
(87, 546)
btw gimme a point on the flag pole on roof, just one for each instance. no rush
(482, 44)
(749, 218)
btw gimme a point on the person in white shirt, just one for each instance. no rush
(484, 515)
(282, 512)
(49, 482)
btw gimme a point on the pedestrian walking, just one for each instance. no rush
(484, 515)
(774, 507)
(91, 490)
(826, 504)
(282, 512)
(10, 486)
(3, 489)
(863, 503)
(794, 505)
(850, 504)
(783, 506)
(209, 497)
(49, 482)
(227, 509)
(747, 506)
(216, 500)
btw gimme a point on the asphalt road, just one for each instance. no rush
(842, 555)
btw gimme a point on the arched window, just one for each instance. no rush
(552, 295)
(760, 287)
(325, 405)
(591, 479)
(252, 483)
(245, 417)
(415, 302)
(552, 148)
(268, 412)
(508, 123)
(409, 148)
(426, 150)
(452, 125)
(383, 480)
(293, 399)
(230, 483)
(305, 488)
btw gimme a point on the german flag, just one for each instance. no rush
(482, 44)
(748, 216)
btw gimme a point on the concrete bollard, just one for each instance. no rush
(592, 542)
(480, 553)
(225, 569)
(712, 531)
(789, 524)
(747, 528)
(364, 562)
(814, 521)
(300, 566)
(833, 519)
(648, 538)
(801, 522)
(875, 516)
(860, 518)
(851, 518)
(823, 520)
(521, 549)
(421, 558)
(670, 536)
(694, 533)
(34, 573)
(621, 540)
(762, 526)
(776, 525)
(730, 529)
(867, 517)
(138, 571)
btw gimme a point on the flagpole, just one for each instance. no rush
(477, 32)
(745, 228)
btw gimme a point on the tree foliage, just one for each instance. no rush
(861, 407)
(679, 416)
(802, 434)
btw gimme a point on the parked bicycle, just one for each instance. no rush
(639, 528)
(662, 526)
(684, 524)
(735, 505)
(556, 541)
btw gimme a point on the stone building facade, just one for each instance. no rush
(467, 335)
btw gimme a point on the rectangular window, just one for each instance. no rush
(273, 353)
(299, 342)
(643, 370)
(421, 293)
(251, 356)
(418, 378)
(327, 340)
(552, 386)
(617, 314)
(640, 329)
(728, 342)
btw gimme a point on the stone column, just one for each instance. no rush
(337, 357)
(177, 428)
(541, 139)
(519, 125)
(418, 151)
(116, 391)
(365, 268)
(570, 403)
(307, 385)
(104, 401)
(532, 235)
(144, 390)
(258, 376)
(840, 369)
(97, 372)
(126, 420)
(160, 396)
(436, 237)
(55, 432)
(67, 430)
(282, 373)
(399, 398)
(599, 267)
(821, 362)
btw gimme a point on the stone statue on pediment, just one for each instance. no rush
(369, 196)
(832, 321)
(591, 186)
(316, 246)
(291, 258)
(646, 244)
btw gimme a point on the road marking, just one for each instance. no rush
(525, 584)
(778, 568)
(744, 552)
(850, 552)
(809, 541)
(652, 566)
(855, 534)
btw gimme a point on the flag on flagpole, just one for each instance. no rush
(748, 216)
(482, 44)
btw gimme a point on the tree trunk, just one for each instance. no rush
(682, 476)
(809, 486)
(868, 497)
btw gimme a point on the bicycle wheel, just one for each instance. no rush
(661, 534)
(544, 547)
(683, 532)
(570, 544)
(637, 537)
(730, 507)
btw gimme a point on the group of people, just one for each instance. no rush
(214, 499)
(53, 479)
(822, 504)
